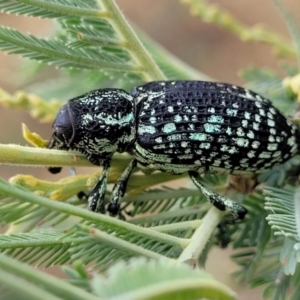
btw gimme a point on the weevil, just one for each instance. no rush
(177, 127)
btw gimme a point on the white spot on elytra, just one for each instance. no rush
(247, 115)
(198, 136)
(258, 104)
(216, 119)
(276, 154)
(271, 123)
(291, 141)
(232, 150)
(146, 129)
(255, 144)
(177, 118)
(257, 118)
(153, 120)
(244, 123)
(210, 128)
(255, 126)
(240, 132)
(273, 131)
(262, 112)
(272, 147)
(271, 139)
(251, 154)
(250, 135)
(191, 127)
(229, 131)
(264, 154)
(170, 109)
(169, 127)
(194, 118)
(231, 112)
(205, 145)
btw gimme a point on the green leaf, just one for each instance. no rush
(55, 51)
(77, 43)
(283, 206)
(141, 279)
(290, 256)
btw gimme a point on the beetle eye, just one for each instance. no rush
(63, 126)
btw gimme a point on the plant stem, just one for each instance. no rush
(20, 286)
(138, 51)
(120, 244)
(62, 288)
(178, 226)
(29, 156)
(201, 236)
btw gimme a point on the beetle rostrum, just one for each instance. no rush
(176, 127)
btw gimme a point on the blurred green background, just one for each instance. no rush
(205, 47)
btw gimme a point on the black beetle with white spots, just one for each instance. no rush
(176, 127)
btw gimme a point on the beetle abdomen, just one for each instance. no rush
(186, 125)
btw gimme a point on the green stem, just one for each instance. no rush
(23, 288)
(201, 236)
(187, 225)
(28, 156)
(104, 220)
(138, 51)
(120, 244)
(36, 241)
(61, 288)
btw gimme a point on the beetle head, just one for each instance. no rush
(97, 124)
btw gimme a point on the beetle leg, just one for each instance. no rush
(119, 189)
(96, 197)
(220, 202)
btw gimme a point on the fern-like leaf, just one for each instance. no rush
(51, 9)
(283, 206)
(78, 44)
(55, 51)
